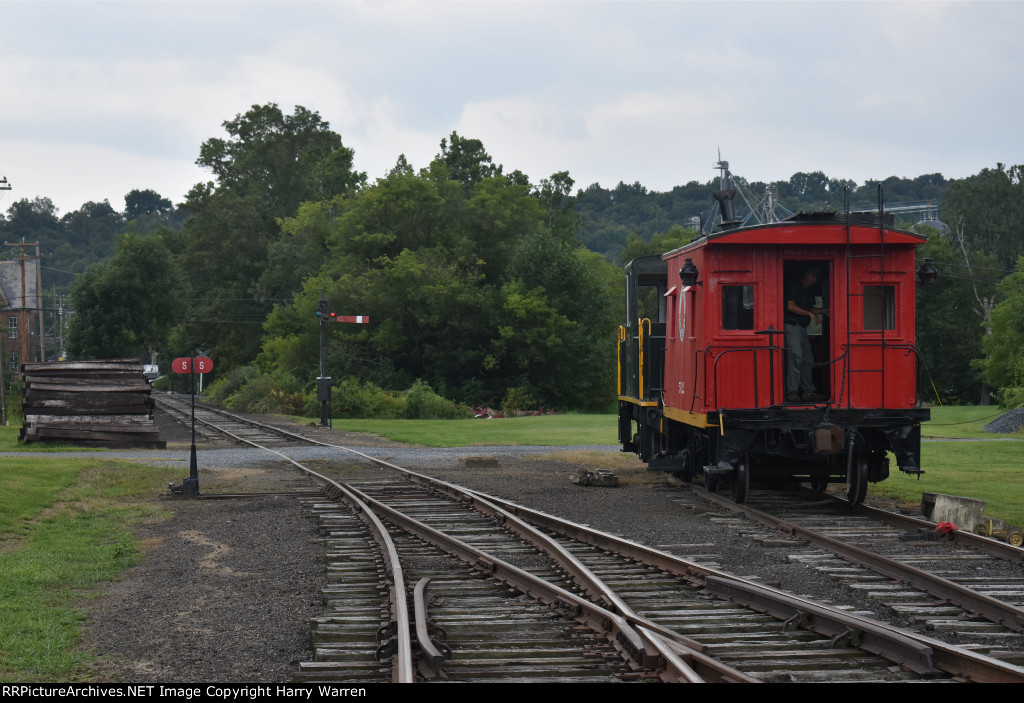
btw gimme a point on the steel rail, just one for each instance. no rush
(908, 649)
(986, 545)
(433, 654)
(625, 637)
(584, 577)
(1005, 614)
(952, 658)
(402, 672)
(914, 651)
(821, 619)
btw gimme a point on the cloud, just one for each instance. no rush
(72, 174)
(637, 91)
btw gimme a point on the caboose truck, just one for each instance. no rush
(702, 357)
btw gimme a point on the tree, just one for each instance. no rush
(473, 279)
(466, 160)
(126, 306)
(145, 202)
(1004, 367)
(280, 160)
(91, 228)
(949, 330)
(268, 165)
(660, 243)
(990, 209)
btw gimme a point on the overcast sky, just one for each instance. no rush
(98, 98)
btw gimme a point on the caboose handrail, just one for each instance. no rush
(640, 360)
(618, 355)
(884, 345)
(771, 349)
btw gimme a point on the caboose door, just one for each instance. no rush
(808, 323)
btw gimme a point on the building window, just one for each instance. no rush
(879, 307)
(737, 307)
(12, 323)
(12, 361)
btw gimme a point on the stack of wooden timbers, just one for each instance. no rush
(98, 403)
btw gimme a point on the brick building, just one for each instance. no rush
(21, 311)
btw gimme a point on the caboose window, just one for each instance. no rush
(650, 303)
(879, 307)
(737, 307)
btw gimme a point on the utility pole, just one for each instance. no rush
(4, 185)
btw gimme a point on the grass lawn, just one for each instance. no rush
(543, 430)
(989, 470)
(964, 421)
(570, 429)
(9, 443)
(64, 527)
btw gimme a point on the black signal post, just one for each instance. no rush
(323, 381)
(192, 365)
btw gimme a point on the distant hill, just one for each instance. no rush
(609, 215)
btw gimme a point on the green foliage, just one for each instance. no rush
(989, 207)
(138, 203)
(1004, 367)
(609, 216)
(230, 382)
(353, 399)
(516, 399)
(422, 403)
(12, 394)
(474, 282)
(81, 238)
(238, 257)
(126, 307)
(949, 328)
(279, 393)
(660, 243)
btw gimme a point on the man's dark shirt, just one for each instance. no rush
(801, 295)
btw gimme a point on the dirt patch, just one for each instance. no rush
(224, 594)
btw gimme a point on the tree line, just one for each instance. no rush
(478, 281)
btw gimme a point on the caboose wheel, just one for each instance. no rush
(741, 480)
(857, 480)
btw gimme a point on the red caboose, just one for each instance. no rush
(711, 336)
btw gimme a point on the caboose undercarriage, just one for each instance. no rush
(817, 445)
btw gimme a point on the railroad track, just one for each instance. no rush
(969, 589)
(628, 612)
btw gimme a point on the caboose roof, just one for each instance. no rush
(809, 228)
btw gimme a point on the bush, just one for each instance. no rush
(353, 399)
(227, 385)
(422, 403)
(516, 399)
(267, 394)
(13, 397)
